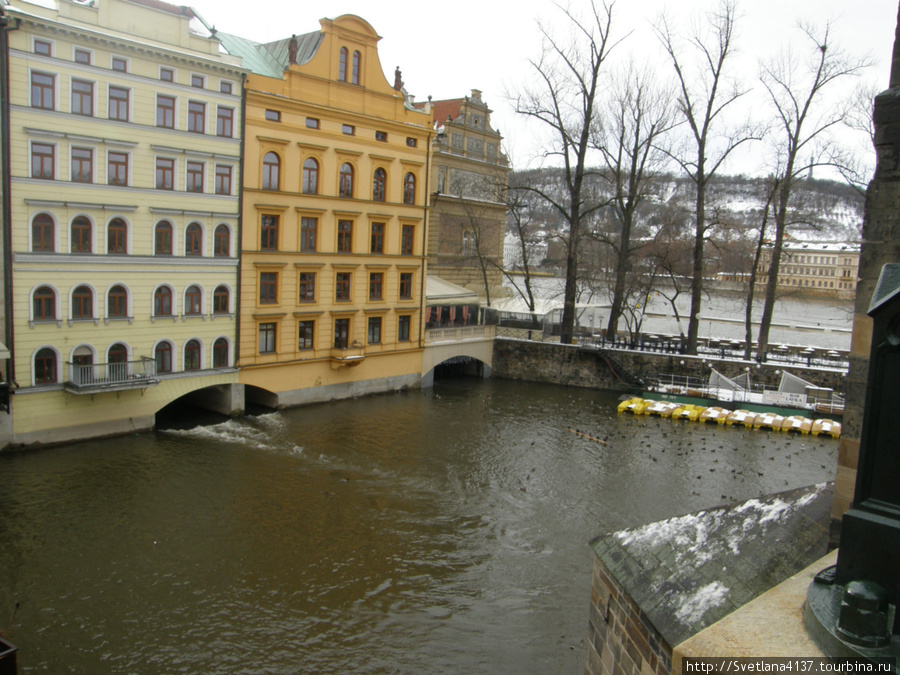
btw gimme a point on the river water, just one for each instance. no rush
(436, 531)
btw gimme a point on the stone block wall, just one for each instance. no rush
(622, 641)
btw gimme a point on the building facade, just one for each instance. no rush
(125, 167)
(468, 184)
(815, 268)
(334, 219)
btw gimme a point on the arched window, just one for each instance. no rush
(342, 65)
(117, 236)
(81, 235)
(117, 353)
(354, 75)
(220, 353)
(193, 297)
(192, 355)
(45, 366)
(162, 301)
(163, 238)
(221, 298)
(310, 177)
(379, 180)
(83, 303)
(345, 186)
(222, 241)
(193, 239)
(44, 302)
(163, 355)
(271, 165)
(409, 189)
(43, 231)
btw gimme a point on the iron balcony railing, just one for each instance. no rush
(94, 377)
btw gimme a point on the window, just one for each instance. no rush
(381, 136)
(45, 366)
(82, 97)
(83, 56)
(268, 288)
(345, 236)
(192, 300)
(43, 91)
(406, 285)
(163, 238)
(198, 81)
(117, 236)
(266, 338)
(220, 353)
(273, 115)
(222, 241)
(117, 353)
(117, 168)
(403, 324)
(305, 332)
(342, 286)
(411, 142)
(406, 240)
(43, 48)
(163, 354)
(221, 300)
(225, 122)
(43, 160)
(119, 64)
(342, 65)
(167, 74)
(82, 235)
(83, 303)
(118, 103)
(374, 332)
(308, 227)
(196, 117)
(377, 245)
(43, 231)
(165, 173)
(226, 87)
(310, 177)
(341, 333)
(193, 240)
(312, 122)
(354, 74)
(307, 288)
(379, 179)
(409, 189)
(162, 301)
(117, 302)
(195, 171)
(223, 180)
(268, 233)
(345, 185)
(376, 286)
(271, 164)
(348, 129)
(82, 165)
(165, 111)
(44, 304)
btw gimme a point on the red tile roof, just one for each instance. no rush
(440, 110)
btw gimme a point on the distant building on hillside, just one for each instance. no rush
(513, 258)
(815, 268)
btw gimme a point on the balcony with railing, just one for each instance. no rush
(92, 378)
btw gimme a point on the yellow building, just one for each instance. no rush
(828, 269)
(334, 219)
(125, 168)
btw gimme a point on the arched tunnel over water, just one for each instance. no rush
(436, 531)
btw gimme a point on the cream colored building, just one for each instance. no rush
(815, 268)
(334, 219)
(125, 168)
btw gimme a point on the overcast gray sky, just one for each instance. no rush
(447, 49)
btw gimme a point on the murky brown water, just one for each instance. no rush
(442, 531)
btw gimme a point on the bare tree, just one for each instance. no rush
(563, 100)
(630, 129)
(804, 119)
(529, 239)
(707, 94)
(771, 191)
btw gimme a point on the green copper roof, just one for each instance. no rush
(270, 59)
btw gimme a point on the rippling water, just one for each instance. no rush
(440, 531)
